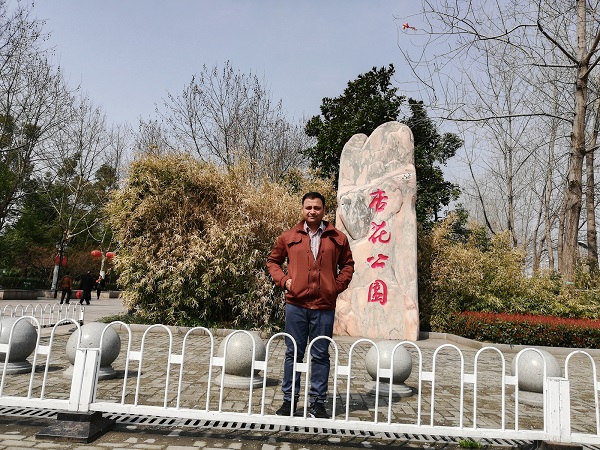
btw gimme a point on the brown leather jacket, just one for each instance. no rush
(315, 283)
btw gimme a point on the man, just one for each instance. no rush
(100, 285)
(320, 266)
(66, 286)
(86, 284)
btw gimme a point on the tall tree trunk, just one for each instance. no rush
(509, 174)
(537, 251)
(590, 197)
(548, 196)
(573, 190)
(549, 186)
(561, 234)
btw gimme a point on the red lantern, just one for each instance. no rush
(58, 262)
(96, 253)
(110, 255)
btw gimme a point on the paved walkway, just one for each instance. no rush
(19, 432)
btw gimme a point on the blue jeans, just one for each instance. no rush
(304, 325)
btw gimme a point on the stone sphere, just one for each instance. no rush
(402, 361)
(90, 338)
(239, 353)
(23, 340)
(531, 370)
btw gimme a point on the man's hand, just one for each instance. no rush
(288, 284)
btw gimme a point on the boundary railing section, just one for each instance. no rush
(474, 398)
(47, 315)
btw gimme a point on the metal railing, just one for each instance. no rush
(161, 379)
(47, 315)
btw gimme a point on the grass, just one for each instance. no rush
(469, 443)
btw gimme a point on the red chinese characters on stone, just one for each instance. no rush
(379, 262)
(378, 292)
(379, 234)
(379, 200)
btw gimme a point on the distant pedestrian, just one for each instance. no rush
(86, 284)
(66, 286)
(100, 285)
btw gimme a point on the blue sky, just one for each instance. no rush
(127, 54)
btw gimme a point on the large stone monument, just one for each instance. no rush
(376, 209)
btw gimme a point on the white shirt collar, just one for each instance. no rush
(308, 230)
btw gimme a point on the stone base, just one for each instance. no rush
(398, 390)
(238, 382)
(530, 398)
(549, 445)
(77, 427)
(105, 373)
(16, 367)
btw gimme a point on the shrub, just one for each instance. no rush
(470, 271)
(194, 241)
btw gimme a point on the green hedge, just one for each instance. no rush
(20, 283)
(519, 329)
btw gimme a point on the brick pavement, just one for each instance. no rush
(20, 433)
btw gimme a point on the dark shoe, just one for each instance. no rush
(285, 409)
(318, 411)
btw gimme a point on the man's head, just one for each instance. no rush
(313, 209)
(312, 196)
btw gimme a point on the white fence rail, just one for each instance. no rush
(47, 315)
(457, 393)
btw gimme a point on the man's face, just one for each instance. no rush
(313, 211)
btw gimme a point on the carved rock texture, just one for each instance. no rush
(376, 209)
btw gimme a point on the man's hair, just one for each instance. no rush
(312, 196)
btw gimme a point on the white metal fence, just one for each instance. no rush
(457, 393)
(47, 315)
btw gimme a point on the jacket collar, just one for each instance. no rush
(322, 226)
(330, 231)
(328, 227)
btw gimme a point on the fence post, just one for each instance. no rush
(557, 415)
(83, 383)
(81, 314)
(79, 423)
